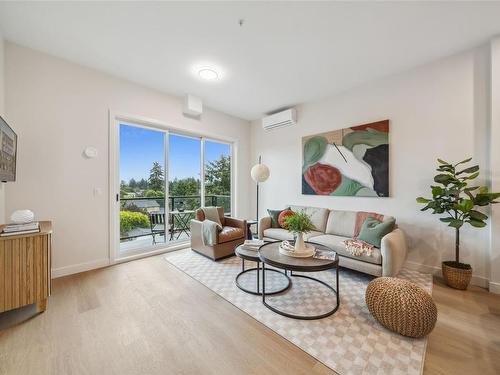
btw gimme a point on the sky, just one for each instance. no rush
(140, 147)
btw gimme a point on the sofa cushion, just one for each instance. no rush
(373, 230)
(335, 243)
(361, 217)
(318, 216)
(229, 234)
(281, 234)
(341, 223)
(274, 214)
(283, 215)
(278, 234)
(312, 234)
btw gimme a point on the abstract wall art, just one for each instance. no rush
(347, 162)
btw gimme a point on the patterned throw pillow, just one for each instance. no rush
(282, 216)
(274, 214)
(357, 247)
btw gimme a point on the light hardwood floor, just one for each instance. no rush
(147, 317)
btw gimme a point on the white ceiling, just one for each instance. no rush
(285, 53)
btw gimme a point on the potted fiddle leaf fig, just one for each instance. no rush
(453, 198)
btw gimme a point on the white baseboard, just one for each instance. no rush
(81, 267)
(494, 287)
(87, 266)
(436, 271)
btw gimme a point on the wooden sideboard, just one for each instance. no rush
(25, 269)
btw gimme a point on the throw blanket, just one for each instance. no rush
(209, 232)
(212, 214)
(357, 247)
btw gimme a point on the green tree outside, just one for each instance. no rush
(218, 176)
(156, 177)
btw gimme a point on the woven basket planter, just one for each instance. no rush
(458, 278)
(401, 306)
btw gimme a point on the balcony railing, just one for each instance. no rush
(145, 216)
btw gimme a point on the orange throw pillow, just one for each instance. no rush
(283, 215)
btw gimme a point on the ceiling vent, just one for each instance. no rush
(280, 119)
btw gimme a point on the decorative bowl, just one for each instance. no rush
(22, 217)
(309, 252)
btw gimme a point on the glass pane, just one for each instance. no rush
(142, 188)
(184, 186)
(218, 175)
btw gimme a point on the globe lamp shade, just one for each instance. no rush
(259, 173)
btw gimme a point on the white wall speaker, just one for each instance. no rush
(193, 106)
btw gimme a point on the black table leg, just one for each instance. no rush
(257, 269)
(258, 276)
(304, 317)
(263, 283)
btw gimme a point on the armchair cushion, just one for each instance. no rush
(236, 223)
(230, 233)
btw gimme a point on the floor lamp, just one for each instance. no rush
(260, 173)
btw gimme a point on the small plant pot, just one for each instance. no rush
(457, 275)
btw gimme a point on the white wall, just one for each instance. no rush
(2, 113)
(495, 165)
(438, 110)
(57, 108)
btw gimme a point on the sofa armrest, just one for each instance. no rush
(264, 223)
(393, 249)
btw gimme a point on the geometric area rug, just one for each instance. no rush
(350, 342)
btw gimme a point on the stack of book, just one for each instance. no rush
(253, 245)
(17, 229)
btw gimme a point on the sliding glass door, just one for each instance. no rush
(142, 214)
(163, 176)
(184, 185)
(217, 174)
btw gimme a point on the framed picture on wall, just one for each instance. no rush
(352, 161)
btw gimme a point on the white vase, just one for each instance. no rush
(300, 246)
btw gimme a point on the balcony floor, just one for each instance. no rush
(146, 242)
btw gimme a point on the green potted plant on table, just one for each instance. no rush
(454, 198)
(299, 223)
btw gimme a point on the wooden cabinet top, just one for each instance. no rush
(45, 228)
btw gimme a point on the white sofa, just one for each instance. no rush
(334, 226)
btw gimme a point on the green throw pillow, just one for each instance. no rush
(274, 217)
(373, 230)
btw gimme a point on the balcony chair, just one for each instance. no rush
(157, 223)
(233, 233)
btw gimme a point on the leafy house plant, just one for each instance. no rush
(299, 223)
(457, 201)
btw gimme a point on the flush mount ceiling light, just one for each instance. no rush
(208, 73)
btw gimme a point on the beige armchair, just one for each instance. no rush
(233, 233)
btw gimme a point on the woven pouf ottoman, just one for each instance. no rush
(401, 306)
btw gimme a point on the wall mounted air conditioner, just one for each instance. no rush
(280, 119)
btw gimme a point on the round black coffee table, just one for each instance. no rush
(254, 256)
(269, 255)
